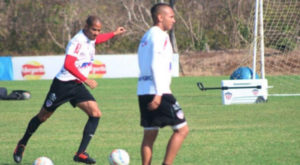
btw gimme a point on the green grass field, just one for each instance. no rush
(256, 134)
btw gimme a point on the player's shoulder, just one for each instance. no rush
(156, 33)
(79, 37)
(155, 30)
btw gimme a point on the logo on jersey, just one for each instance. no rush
(165, 44)
(144, 43)
(86, 64)
(98, 69)
(78, 46)
(33, 70)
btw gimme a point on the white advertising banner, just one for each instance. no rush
(115, 66)
(36, 67)
(105, 66)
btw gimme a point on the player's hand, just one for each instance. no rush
(120, 30)
(91, 83)
(154, 104)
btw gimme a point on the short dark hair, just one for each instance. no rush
(156, 9)
(91, 20)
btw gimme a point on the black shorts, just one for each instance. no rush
(64, 91)
(168, 113)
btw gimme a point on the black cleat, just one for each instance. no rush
(18, 153)
(84, 158)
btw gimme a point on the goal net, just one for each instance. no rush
(280, 45)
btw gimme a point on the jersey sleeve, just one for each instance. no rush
(158, 43)
(104, 37)
(69, 65)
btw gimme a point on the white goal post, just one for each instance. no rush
(281, 29)
(259, 19)
(276, 27)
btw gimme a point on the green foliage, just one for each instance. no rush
(44, 27)
(31, 21)
(201, 45)
(244, 31)
(285, 44)
(120, 45)
(281, 29)
(217, 40)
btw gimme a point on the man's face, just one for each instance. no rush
(93, 31)
(167, 18)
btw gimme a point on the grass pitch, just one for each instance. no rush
(266, 134)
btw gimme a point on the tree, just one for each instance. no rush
(44, 27)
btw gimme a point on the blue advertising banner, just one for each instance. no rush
(6, 69)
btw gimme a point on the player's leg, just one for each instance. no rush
(147, 145)
(173, 115)
(58, 94)
(151, 128)
(175, 143)
(90, 108)
(94, 113)
(33, 125)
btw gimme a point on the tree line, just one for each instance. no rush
(44, 27)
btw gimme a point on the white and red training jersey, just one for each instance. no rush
(155, 62)
(83, 49)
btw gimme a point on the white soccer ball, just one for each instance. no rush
(26, 95)
(119, 157)
(43, 161)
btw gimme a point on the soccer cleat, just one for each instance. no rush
(84, 158)
(18, 153)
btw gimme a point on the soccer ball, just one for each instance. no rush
(43, 161)
(26, 95)
(119, 157)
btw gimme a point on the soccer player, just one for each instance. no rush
(68, 86)
(158, 107)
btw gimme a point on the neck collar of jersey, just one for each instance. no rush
(87, 39)
(157, 27)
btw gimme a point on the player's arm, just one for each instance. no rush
(70, 66)
(107, 36)
(158, 81)
(158, 78)
(156, 67)
(154, 104)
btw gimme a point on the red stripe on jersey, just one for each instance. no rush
(70, 66)
(166, 42)
(104, 37)
(78, 46)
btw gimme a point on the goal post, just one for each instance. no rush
(271, 33)
(276, 27)
(276, 36)
(246, 91)
(262, 42)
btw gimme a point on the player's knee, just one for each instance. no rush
(184, 131)
(96, 113)
(43, 115)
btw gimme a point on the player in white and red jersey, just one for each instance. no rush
(155, 62)
(68, 86)
(158, 107)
